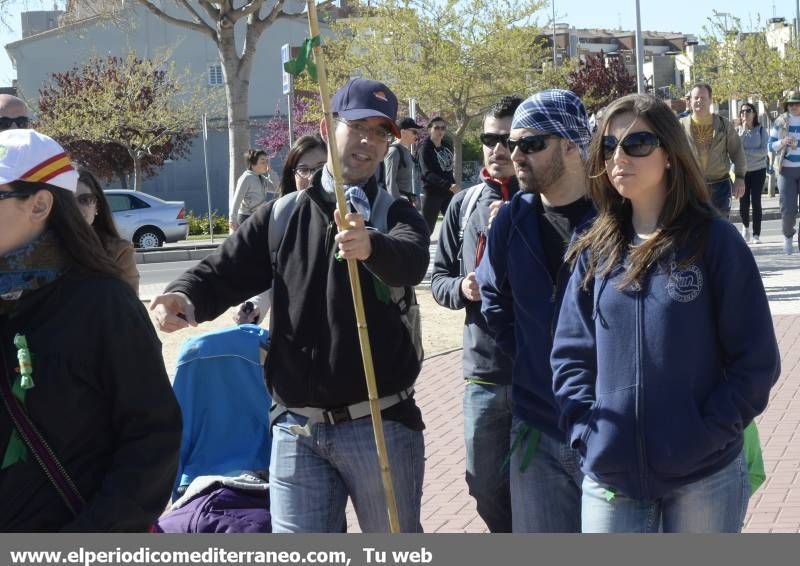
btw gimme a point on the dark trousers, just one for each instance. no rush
(721, 196)
(753, 187)
(433, 204)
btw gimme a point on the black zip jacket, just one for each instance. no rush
(482, 358)
(315, 358)
(103, 402)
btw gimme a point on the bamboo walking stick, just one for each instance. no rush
(355, 281)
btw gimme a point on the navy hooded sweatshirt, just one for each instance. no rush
(656, 386)
(519, 300)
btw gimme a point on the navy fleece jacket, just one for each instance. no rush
(656, 386)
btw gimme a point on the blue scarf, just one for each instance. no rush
(29, 268)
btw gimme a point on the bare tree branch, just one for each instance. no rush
(202, 28)
(196, 14)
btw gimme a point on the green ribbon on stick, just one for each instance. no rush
(304, 59)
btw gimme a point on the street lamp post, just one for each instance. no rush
(640, 53)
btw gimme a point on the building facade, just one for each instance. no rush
(83, 32)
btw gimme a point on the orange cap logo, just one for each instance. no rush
(380, 95)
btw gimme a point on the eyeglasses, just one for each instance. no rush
(636, 144)
(529, 144)
(378, 133)
(746, 111)
(20, 121)
(86, 199)
(491, 140)
(14, 194)
(307, 172)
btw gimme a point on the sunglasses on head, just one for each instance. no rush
(529, 144)
(491, 140)
(20, 121)
(636, 144)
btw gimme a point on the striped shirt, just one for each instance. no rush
(792, 156)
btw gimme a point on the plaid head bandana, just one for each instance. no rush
(558, 112)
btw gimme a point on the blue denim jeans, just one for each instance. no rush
(546, 494)
(487, 433)
(721, 196)
(715, 504)
(312, 476)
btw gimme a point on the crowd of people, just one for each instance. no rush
(617, 343)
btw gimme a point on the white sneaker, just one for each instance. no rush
(755, 239)
(746, 233)
(787, 246)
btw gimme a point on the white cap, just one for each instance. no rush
(27, 155)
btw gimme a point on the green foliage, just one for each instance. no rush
(739, 63)
(472, 148)
(455, 57)
(198, 225)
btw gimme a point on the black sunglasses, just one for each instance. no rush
(637, 144)
(20, 121)
(491, 140)
(14, 194)
(529, 144)
(746, 111)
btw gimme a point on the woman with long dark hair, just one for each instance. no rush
(305, 158)
(664, 350)
(89, 426)
(754, 138)
(94, 207)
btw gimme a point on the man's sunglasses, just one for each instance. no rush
(637, 144)
(491, 140)
(20, 121)
(529, 144)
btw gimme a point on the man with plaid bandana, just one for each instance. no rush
(522, 279)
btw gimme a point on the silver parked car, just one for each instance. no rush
(147, 221)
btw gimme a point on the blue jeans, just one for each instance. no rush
(310, 477)
(721, 196)
(715, 504)
(487, 433)
(546, 495)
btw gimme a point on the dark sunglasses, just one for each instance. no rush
(637, 144)
(746, 111)
(14, 194)
(20, 121)
(529, 144)
(491, 140)
(86, 199)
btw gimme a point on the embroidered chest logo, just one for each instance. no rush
(684, 285)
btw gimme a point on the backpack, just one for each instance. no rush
(405, 298)
(472, 196)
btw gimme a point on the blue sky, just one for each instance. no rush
(657, 15)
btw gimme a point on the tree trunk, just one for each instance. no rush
(458, 150)
(123, 177)
(137, 170)
(237, 90)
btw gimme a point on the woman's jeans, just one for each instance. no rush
(753, 187)
(714, 504)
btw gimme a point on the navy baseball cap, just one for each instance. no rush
(363, 98)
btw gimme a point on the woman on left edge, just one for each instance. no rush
(96, 388)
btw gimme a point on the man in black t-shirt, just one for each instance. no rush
(522, 279)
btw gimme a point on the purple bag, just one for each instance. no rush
(220, 509)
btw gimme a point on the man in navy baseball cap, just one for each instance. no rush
(364, 98)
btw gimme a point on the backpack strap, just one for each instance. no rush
(38, 446)
(279, 219)
(473, 194)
